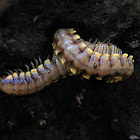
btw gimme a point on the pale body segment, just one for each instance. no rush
(99, 59)
(72, 55)
(34, 80)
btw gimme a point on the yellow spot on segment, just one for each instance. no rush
(9, 77)
(73, 70)
(131, 56)
(110, 47)
(47, 61)
(86, 76)
(97, 53)
(90, 51)
(98, 78)
(76, 37)
(41, 66)
(83, 45)
(119, 78)
(56, 52)
(106, 55)
(54, 46)
(125, 54)
(28, 73)
(15, 75)
(63, 60)
(74, 31)
(133, 61)
(34, 70)
(22, 74)
(116, 55)
(71, 29)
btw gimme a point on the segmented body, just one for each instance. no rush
(99, 59)
(71, 55)
(34, 80)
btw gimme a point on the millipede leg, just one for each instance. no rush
(27, 67)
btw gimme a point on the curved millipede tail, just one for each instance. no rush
(34, 80)
(72, 55)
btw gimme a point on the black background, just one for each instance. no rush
(108, 111)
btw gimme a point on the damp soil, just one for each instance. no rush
(107, 111)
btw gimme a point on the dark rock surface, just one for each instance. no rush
(108, 111)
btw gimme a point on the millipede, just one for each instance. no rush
(72, 55)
